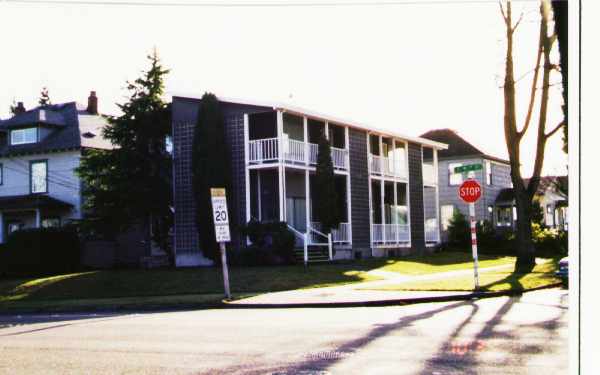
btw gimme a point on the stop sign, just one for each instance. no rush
(469, 191)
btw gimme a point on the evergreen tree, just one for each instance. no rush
(131, 184)
(44, 98)
(210, 169)
(459, 230)
(325, 201)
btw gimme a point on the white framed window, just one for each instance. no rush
(488, 172)
(454, 178)
(51, 222)
(447, 213)
(23, 136)
(38, 173)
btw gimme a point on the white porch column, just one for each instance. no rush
(307, 198)
(437, 193)
(348, 187)
(38, 218)
(246, 164)
(280, 166)
(306, 144)
(327, 130)
(382, 208)
(1, 227)
(394, 218)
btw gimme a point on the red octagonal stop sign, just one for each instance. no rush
(469, 191)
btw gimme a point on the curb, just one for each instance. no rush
(232, 305)
(390, 302)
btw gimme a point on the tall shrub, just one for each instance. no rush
(210, 168)
(459, 232)
(325, 197)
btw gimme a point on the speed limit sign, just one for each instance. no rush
(220, 217)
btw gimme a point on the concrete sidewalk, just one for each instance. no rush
(362, 293)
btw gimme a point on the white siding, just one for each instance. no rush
(63, 184)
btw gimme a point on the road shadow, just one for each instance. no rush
(58, 320)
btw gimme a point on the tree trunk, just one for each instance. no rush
(525, 249)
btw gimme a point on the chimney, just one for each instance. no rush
(20, 108)
(92, 107)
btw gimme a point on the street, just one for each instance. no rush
(519, 335)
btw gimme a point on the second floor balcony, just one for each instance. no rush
(381, 165)
(267, 150)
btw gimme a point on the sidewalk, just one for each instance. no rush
(361, 293)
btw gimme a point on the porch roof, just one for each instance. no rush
(506, 196)
(321, 116)
(31, 201)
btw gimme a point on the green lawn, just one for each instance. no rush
(542, 275)
(442, 262)
(146, 284)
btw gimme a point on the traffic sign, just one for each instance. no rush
(468, 168)
(221, 220)
(469, 191)
(220, 217)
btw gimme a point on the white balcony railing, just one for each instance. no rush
(263, 150)
(387, 166)
(432, 234)
(266, 150)
(390, 234)
(429, 175)
(339, 235)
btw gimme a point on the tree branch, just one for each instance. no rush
(518, 22)
(502, 11)
(551, 133)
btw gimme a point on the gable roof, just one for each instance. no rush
(321, 116)
(458, 147)
(73, 128)
(549, 182)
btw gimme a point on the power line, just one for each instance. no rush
(255, 4)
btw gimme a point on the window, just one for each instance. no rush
(169, 144)
(447, 213)
(23, 136)
(503, 216)
(488, 172)
(38, 173)
(454, 178)
(51, 222)
(14, 226)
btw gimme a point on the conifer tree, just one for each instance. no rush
(325, 201)
(44, 98)
(210, 169)
(131, 184)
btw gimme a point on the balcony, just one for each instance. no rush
(432, 234)
(390, 234)
(429, 175)
(264, 151)
(384, 166)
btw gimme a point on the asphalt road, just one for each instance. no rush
(521, 335)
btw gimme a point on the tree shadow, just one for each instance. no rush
(62, 320)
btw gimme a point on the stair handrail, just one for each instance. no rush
(326, 236)
(304, 238)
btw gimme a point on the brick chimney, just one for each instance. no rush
(20, 108)
(92, 107)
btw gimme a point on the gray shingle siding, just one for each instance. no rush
(449, 193)
(185, 114)
(359, 184)
(415, 173)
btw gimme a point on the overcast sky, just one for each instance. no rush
(410, 66)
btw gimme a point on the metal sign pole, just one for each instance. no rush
(474, 243)
(225, 271)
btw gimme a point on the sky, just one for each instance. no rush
(407, 66)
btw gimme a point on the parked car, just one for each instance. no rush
(563, 270)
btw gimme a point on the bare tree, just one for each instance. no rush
(524, 193)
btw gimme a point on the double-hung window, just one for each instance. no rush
(38, 174)
(488, 172)
(23, 136)
(454, 178)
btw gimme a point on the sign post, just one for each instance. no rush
(221, 220)
(470, 192)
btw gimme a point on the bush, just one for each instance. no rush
(549, 242)
(271, 244)
(459, 232)
(40, 251)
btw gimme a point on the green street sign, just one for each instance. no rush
(468, 168)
